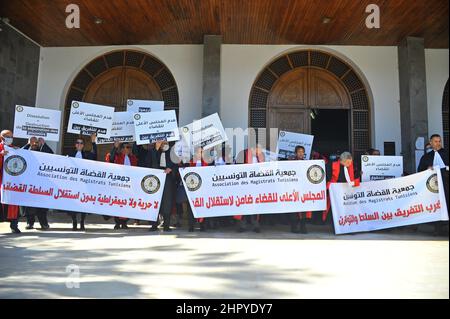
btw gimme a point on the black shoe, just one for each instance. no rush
(124, 226)
(82, 227)
(45, 227)
(153, 228)
(116, 226)
(15, 230)
(29, 227)
(74, 226)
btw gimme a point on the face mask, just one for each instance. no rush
(8, 140)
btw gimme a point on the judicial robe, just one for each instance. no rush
(336, 174)
(11, 211)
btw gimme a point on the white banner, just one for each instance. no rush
(156, 126)
(87, 118)
(36, 179)
(262, 188)
(39, 122)
(413, 199)
(122, 129)
(376, 168)
(206, 132)
(287, 141)
(143, 106)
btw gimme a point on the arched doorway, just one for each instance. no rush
(313, 92)
(445, 126)
(113, 78)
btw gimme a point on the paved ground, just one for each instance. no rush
(222, 264)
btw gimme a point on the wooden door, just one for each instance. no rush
(299, 91)
(114, 87)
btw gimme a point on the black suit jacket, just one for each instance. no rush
(428, 158)
(92, 155)
(45, 148)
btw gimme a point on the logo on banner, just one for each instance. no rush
(432, 184)
(315, 174)
(15, 165)
(19, 108)
(137, 117)
(150, 184)
(75, 105)
(282, 133)
(365, 159)
(185, 129)
(193, 181)
(130, 103)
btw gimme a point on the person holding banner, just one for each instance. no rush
(8, 212)
(250, 156)
(341, 171)
(298, 220)
(37, 145)
(158, 156)
(197, 161)
(437, 157)
(79, 152)
(121, 154)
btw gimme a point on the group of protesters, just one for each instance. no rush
(340, 168)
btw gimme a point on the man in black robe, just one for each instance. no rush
(438, 156)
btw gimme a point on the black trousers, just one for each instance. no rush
(167, 201)
(251, 219)
(32, 212)
(74, 218)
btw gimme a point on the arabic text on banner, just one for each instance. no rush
(413, 199)
(262, 188)
(36, 179)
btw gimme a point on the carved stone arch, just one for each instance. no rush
(308, 79)
(116, 76)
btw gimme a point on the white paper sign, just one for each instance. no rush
(122, 129)
(143, 106)
(408, 200)
(44, 180)
(376, 168)
(206, 133)
(156, 126)
(39, 122)
(287, 141)
(88, 118)
(262, 188)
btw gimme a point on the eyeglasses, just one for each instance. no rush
(79, 142)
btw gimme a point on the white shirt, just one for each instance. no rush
(78, 155)
(126, 161)
(437, 161)
(347, 176)
(198, 163)
(219, 161)
(162, 160)
(254, 159)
